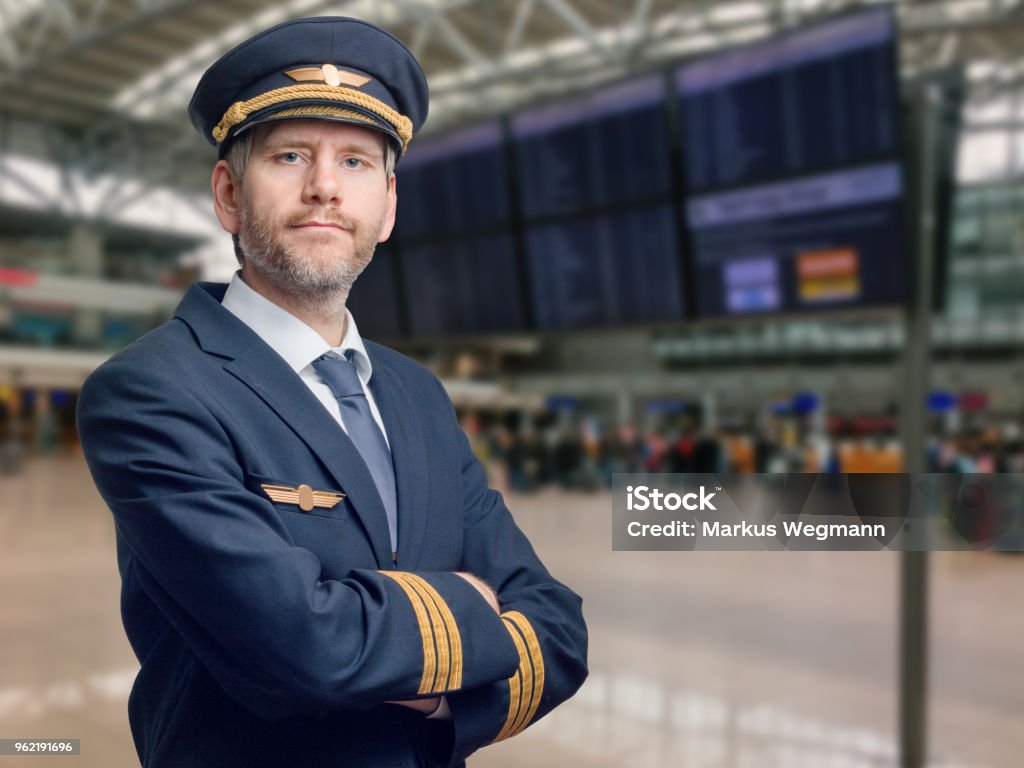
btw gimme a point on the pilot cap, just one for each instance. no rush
(328, 67)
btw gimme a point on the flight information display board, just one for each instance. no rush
(794, 184)
(466, 285)
(603, 148)
(828, 241)
(821, 97)
(610, 269)
(453, 183)
(374, 299)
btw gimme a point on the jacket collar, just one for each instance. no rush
(249, 359)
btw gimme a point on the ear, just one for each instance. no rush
(226, 192)
(388, 223)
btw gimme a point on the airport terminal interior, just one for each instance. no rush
(742, 236)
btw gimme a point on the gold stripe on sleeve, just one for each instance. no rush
(437, 621)
(527, 685)
(528, 675)
(426, 632)
(533, 646)
(452, 627)
(516, 682)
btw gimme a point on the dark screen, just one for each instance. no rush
(600, 149)
(374, 297)
(454, 183)
(793, 176)
(465, 285)
(606, 270)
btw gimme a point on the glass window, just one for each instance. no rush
(984, 155)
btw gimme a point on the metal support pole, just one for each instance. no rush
(913, 624)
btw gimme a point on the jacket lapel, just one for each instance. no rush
(409, 456)
(254, 363)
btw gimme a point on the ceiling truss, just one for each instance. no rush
(102, 84)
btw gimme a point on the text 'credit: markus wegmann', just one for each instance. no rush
(817, 512)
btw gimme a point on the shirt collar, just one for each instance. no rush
(297, 343)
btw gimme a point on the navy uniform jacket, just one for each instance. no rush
(269, 635)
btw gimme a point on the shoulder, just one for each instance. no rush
(169, 352)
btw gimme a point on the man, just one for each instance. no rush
(314, 570)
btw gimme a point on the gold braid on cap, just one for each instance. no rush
(240, 110)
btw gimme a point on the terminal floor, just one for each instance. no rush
(698, 660)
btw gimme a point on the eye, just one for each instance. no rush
(354, 162)
(290, 157)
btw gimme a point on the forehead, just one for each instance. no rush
(321, 133)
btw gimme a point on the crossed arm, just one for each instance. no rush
(431, 705)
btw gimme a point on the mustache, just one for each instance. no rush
(324, 217)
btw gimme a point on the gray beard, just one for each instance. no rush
(318, 288)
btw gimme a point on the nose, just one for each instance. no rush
(323, 185)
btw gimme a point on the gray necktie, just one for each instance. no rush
(340, 375)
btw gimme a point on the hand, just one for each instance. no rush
(484, 589)
(426, 706)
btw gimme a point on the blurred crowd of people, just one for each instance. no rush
(982, 449)
(583, 454)
(578, 451)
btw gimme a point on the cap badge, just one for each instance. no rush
(327, 73)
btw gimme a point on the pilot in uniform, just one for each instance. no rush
(314, 570)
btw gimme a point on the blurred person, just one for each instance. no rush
(791, 454)
(590, 433)
(708, 453)
(989, 455)
(766, 448)
(654, 448)
(567, 458)
(614, 454)
(738, 451)
(680, 456)
(314, 570)
(633, 441)
(515, 461)
(964, 458)
(536, 458)
(946, 455)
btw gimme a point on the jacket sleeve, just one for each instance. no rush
(217, 563)
(541, 616)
